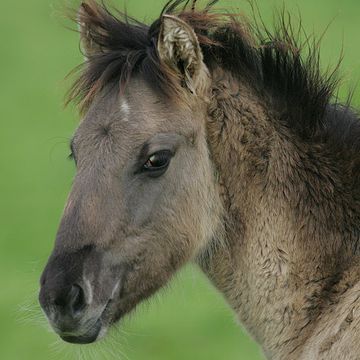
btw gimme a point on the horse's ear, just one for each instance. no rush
(86, 13)
(179, 48)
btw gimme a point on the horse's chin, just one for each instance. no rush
(89, 337)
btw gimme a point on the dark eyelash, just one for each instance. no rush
(71, 156)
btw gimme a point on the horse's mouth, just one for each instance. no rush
(89, 337)
(94, 333)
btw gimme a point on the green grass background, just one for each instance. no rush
(189, 319)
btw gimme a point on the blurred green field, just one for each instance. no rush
(189, 319)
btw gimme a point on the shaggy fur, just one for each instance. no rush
(262, 190)
(270, 60)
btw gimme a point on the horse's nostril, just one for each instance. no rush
(61, 300)
(76, 299)
(71, 301)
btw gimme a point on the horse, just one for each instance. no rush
(208, 138)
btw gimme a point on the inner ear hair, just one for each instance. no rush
(179, 48)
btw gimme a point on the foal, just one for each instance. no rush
(204, 140)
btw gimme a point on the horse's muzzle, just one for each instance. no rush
(76, 295)
(71, 315)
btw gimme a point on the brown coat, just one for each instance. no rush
(207, 140)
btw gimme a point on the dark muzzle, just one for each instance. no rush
(74, 293)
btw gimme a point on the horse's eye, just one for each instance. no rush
(158, 162)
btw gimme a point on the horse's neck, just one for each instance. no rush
(284, 251)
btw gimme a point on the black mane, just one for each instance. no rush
(287, 74)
